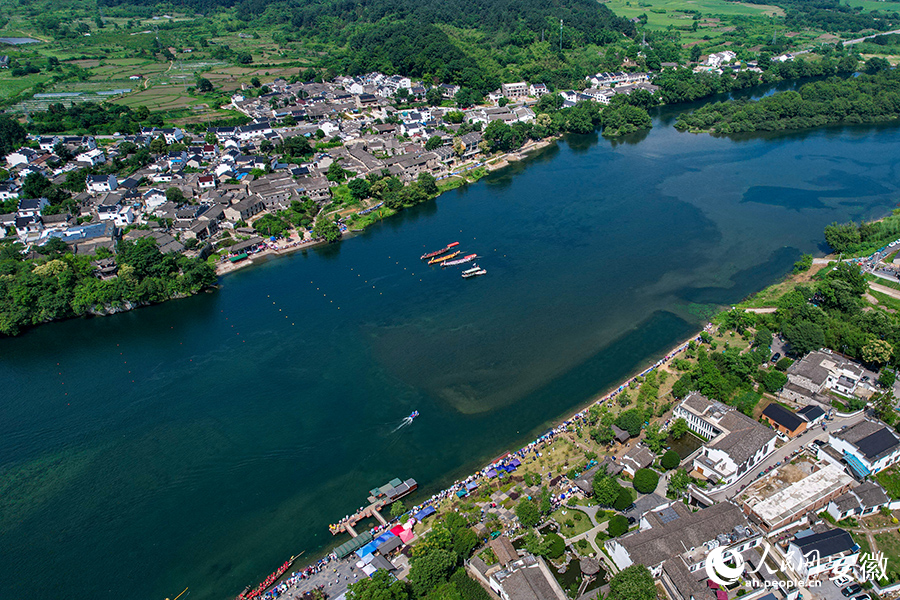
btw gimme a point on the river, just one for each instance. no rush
(201, 442)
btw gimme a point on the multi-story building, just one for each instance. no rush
(868, 447)
(736, 444)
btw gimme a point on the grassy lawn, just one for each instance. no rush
(870, 5)
(580, 522)
(889, 543)
(885, 300)
(890, 481)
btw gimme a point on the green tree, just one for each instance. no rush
(646, 480)
(804, 336)
(427, 183)
(877, 352)
(887, 377)
(632, 583)
(679, 428)
(174, 194)
(527, 513)
(653, 437)
(336, 172)
(327, 229)
(670, 460)
(433, 96)
(555, 545)
(632, 421)
(380, 586)
(204, 85)
(679, 480)
(433, 143)
(397, 509)
(773, 380)
(763, 338)
(695, 53)
(159, 146)
(623, 500)
(359, 188)
(841, 236)
(35, 186)
(430, 569)
(883, 406)
(12, 135)
(606, 489)
(618, 525)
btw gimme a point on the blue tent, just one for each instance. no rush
(425, 512)
(461, 493)
(471, 486)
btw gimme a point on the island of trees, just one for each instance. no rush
(868, 98)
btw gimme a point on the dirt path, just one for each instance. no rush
(885, 290)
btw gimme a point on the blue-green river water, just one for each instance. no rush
(202, 442)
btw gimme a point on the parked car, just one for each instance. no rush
(862, 597)
(776, 357)
(851, 589)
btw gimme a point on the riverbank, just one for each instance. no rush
(292, 245)
(319, 574)
(468, 174)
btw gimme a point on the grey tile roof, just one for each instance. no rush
(871, 494)
(652, 546)
(744, 438)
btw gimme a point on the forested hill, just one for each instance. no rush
(411, 36)
(522, 20)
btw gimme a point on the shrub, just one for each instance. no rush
(623, 500)
(646, 480)
(670, 460)
(556, 545)
(617, 526)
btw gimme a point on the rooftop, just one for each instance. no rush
(782, 416)
(793, 500)
(873, 439)
(679, 530)
(829, 543)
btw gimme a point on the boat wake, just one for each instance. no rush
(406, 421)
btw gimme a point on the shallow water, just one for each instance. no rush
(202, 442)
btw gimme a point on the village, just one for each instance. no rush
(304, 146)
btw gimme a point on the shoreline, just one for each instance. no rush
(560, 425)
(224, 267)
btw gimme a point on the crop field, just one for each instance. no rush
(717, 15)
(161, 97)
(869, 5)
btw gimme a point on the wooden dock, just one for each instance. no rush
(365, 513)
(378, 499)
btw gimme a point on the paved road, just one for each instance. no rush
(779, 455)
(868, 37)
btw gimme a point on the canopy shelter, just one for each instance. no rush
(358, 542)
(425, 512)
